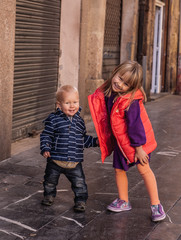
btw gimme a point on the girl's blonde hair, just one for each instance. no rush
(134, 71)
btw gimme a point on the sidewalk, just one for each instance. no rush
(23, 217)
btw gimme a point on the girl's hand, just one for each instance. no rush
(141, 155)
(46, 154)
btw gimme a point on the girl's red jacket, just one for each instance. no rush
(114, 127)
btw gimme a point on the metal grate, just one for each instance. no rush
(111, 52)
(36, 63)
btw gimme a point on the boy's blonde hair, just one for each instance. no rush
(134, 79)
(62, 89)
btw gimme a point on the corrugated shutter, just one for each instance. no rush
(111, 52)
(36, 63)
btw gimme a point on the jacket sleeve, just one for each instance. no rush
(135, 126)
(47, 136)
(90, 141)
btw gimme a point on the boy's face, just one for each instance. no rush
(70, 103)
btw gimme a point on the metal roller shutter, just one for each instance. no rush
(111, 51)
(36, 64)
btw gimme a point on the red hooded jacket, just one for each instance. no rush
(114, 127)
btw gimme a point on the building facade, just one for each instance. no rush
(46, 44)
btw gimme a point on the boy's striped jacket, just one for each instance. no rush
(65, 139)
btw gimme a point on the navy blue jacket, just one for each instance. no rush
(65, 139)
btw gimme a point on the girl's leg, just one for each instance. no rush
(150, 182)
(122, 184)
(120, 204)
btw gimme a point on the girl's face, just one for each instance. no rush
(119, 83)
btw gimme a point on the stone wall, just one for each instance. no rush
(69, 42)
(91, 49)
(129, 30)
(172, 46)
(7, 42)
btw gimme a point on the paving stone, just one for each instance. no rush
(21, 191)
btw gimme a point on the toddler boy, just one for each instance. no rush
(62, 142)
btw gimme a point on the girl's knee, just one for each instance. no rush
(119, 171)
(144, 169)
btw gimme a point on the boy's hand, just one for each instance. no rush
(46, 154)
(97, 142)
(141, 155)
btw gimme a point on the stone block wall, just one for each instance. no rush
(7, 42)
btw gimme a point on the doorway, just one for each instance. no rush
(157, 46)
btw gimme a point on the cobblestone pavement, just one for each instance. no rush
(23, 217)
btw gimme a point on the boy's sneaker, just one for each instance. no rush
(119, 205)
(157, 213)
(79, 207)
(48, 200)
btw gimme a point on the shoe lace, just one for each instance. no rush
(120, 202)
(155, 210)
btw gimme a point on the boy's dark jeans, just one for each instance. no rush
(75, 176)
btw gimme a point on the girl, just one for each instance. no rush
(123, 126)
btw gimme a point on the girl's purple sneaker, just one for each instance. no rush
(119, 205)
(158, 213)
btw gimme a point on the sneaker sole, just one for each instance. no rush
(46, 203)
(79, 210)
(118, 210)
(159, 219)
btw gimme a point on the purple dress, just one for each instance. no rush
(135, 130)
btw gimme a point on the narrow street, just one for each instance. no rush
(23, 217)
